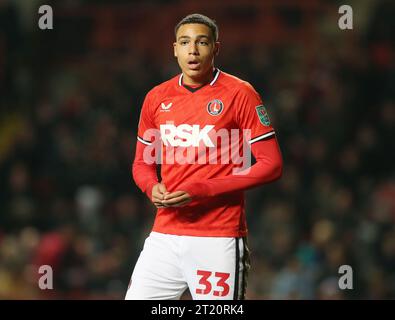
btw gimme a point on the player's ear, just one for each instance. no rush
(216, 48)
(174, 47)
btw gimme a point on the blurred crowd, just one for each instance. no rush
(68, 121)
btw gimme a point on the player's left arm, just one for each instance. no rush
(268, 168)
(251, 115)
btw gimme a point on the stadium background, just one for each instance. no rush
(70, 100)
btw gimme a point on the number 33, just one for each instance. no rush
(221, 283)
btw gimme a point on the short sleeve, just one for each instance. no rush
(146, 126)
(251, 114)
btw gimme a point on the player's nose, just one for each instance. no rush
(193, 49)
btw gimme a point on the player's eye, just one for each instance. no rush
(203, 43)
(184, 42)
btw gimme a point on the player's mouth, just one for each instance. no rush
(194, 64)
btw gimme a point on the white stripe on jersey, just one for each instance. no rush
(262, 137)
(143, 141)
(216, 77)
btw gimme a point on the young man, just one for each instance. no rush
(196, 125)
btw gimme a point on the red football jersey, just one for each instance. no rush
(199, 135)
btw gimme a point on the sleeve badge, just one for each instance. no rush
(262, 115)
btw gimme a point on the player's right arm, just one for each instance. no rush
(144, 169)
(146, 178)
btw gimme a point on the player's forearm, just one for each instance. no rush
(144, 174)
(260, 173)
(268, 168)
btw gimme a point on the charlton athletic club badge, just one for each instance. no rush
(263, 116)
(215, 107)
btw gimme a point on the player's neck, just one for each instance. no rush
(197, 82)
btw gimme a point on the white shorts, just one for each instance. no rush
(211, 267)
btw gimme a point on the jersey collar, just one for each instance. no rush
(216, 72)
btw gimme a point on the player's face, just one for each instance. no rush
(195, 49)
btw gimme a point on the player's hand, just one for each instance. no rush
(158, 193)
(176, 199)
